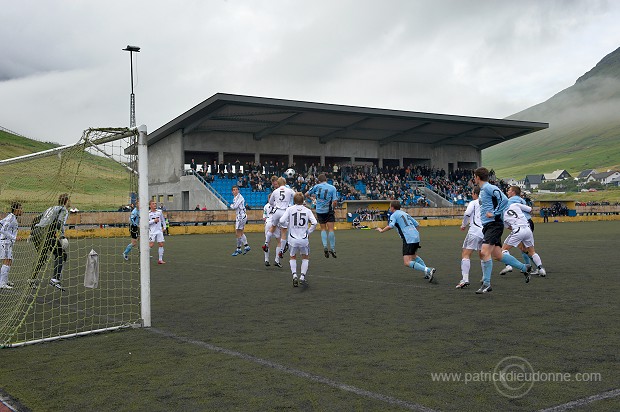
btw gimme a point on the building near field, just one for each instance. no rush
(230, 129)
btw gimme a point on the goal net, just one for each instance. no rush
(64, 274)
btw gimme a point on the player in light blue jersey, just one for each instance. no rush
(134, 230)
(408, 230)
(326, 198)
(493, 203)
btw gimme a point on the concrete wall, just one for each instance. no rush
(227, 142)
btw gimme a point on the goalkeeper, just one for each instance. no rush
(48, 234)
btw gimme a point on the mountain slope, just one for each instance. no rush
(583, 133)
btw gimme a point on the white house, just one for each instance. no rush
(557, 175)
(604, 177)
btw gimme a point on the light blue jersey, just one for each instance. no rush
(134, 217)
(325, 194)
(406, 226)
(493, 200)
(519, 199)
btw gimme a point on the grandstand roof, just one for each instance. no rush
(262, 117)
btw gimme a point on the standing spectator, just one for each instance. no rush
(193, 166)
(8, 235)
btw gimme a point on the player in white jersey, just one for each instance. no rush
(238, 205)
(280, 199)
(514, 196)
(157, 225)
(297, 218)
(521, 233)
(267, 215)
(473, 240)
(8, 235)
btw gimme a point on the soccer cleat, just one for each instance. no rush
(534, 271)
(266, 248)
(431, 274)
(462, 284)
(295, 281)
(236, 252)
(33, 283)
(505, 270)
(267, 263)
(484, 289)
(6, 286)
(10, 284)
(542, 272)
(285, 247)
(125, 256)
(281, 255)
(528, 273)
(303, 281)
(278, 264)
(326, 253)
(246, 250)
(161, 262)
(333, 252)
(56, 283)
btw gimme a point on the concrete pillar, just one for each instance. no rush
(323, 160)
(380, 163)
(220, 157)
(290, 159)
(256, 157)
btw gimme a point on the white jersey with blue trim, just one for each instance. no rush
(8, 228)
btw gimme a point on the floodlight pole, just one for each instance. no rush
(132, 97)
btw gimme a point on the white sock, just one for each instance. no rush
(4, 274)
(278, 254)
(268, 237)
(161, 253)
(293, 263)
(282, 243)
(304, 266)
(537, 260)
(465, 266)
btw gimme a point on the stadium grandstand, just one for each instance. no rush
(421, 159)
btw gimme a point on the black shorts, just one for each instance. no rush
(134, 231)
(531, 225)
(326, 217)
(492, 232)
(410, 248)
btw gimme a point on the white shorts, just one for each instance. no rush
(472, 242)
(240, 222)
(298, 247)
(276, 233)
(520, 234)
(275, 218)
(156, 237)
(6, 250)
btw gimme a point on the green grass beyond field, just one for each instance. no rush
(231, 335)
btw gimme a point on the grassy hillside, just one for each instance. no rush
(583, 133)
(101, 184)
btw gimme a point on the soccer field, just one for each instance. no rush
(367, 334)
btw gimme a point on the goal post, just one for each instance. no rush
(86, 275)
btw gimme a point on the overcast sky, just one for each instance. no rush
(62, 68)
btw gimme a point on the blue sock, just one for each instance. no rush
(508, 259)
(332, 240)
(128, 249)
(487, 268)
(324, 238)
(526, 258)
(420, 261)
(415, 265)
